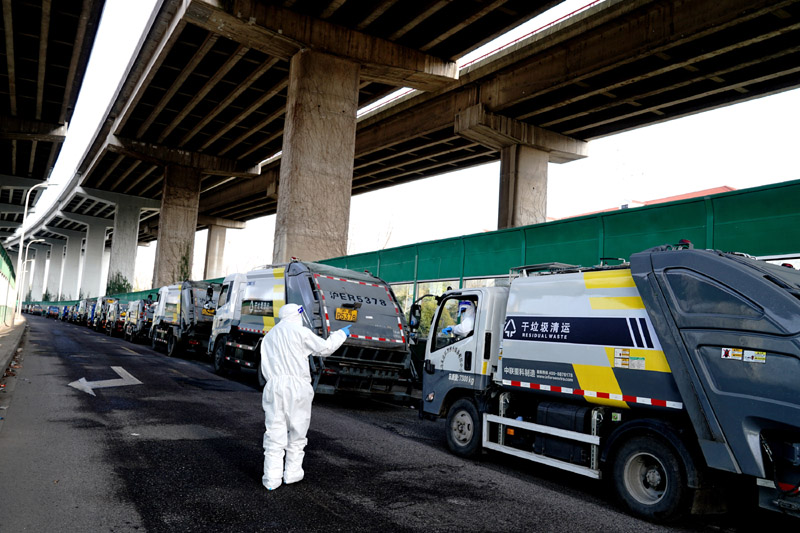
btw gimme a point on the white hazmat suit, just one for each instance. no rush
(288, 393)
(464, 328)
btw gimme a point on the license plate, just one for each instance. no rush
(346, 315)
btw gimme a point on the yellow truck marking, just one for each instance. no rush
(608, 279)
(616, 302)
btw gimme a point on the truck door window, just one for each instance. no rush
(223, 295)
(449, 317)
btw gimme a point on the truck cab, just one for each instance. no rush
(455, 364)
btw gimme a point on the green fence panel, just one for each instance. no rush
(760, 222)
(361, 262)
(398, 264)
(440, 259)
(570, 241)
(493, 254)
(633, 230)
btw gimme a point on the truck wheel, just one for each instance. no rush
(464, 429)
(649, 479)
(219, 357)
(172, 345)
(153, 343)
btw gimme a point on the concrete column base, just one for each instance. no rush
(316, 172)
(523, 186)
(177, 223)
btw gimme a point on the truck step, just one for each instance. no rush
(536, 458)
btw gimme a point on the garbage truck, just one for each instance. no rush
(375, 358)
(138, 320)
(675, 376)
(183, 315)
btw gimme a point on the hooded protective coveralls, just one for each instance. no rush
(464, 328)
(288, 393)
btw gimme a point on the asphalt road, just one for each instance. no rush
(181, 451)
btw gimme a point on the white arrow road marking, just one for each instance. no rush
(88, 386)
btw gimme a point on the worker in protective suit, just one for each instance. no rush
(466, 310)
(288, 393)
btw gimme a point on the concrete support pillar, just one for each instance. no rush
(215, 251)
(317, 162)
(91, 275)
(176, 226)
(53, 285)
(122, 262)
(37, 280)
(523, 186)
(124, 242)
(104, 269)
(72, 264)
(525, 151)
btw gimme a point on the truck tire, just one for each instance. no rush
(649, 478)
(219, 356)
(172, 345)
(464, 428)
(153, 342)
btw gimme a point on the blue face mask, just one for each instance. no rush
(300, 310)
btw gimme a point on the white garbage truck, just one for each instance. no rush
(375, 359)
(676, 376)
(183, 316)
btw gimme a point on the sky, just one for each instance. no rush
(745, 145)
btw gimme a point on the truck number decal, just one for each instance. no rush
(347, 297)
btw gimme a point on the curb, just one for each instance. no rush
(9, 344)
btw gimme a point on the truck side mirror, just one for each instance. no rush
(415, 316)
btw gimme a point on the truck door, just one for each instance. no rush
(453, 339)
(452, 360)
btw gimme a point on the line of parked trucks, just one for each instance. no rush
(675, 376)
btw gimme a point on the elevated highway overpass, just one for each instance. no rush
(211, 96)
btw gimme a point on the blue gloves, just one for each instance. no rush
(447, 330)
(346, 330)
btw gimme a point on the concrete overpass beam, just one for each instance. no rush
(525, 151)
(180, 200)
(316, 171)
